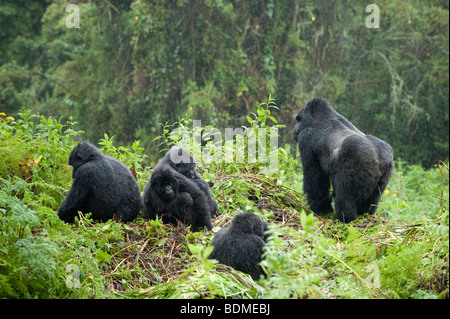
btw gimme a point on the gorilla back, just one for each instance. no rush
(359, 166)
(101, 185)
(241, 245)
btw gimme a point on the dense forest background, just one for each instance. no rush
(132, 65)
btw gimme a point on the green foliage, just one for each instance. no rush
(204, 280)
(36, 149)
(402, 252)
(38, 250)
(414, 192)
(134, 64)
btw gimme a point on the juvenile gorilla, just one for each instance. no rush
(101, 185)
(186, 165)
(241, 245)
(191, 202)
(165, 199)
(331, 148)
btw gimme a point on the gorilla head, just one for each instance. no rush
(318, 114)
(162, 197)
(166, 185)
(82, 153)
(101, 185)
(332, 149)
(248, 223)
(182, 161)
(241, 245)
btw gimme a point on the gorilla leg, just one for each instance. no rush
(346, 208)
(203, 185)
(375, 198)
(345, 201)
(371, 204)
(316, 185)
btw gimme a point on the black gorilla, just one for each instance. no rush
(185, 164)
(190, 201)
(163, 198)
(241, 245)
(101, 185)
(331, 148)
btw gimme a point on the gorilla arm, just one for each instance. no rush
(153, 205)
(200, 206)
(203, 185)
(316, 184)
(75, 199)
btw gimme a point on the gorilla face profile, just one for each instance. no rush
(241, 245)
(333, 150)
(101, 185)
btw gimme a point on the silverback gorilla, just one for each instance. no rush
(101, 185)
(331, 148)
(241, 245)
(175, 191)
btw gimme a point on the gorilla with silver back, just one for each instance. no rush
(359, 166)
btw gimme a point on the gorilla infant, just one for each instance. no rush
(331, 148)
(241, 245)
(166, 196)
(175, 191)
(101, 185)
(185, 164)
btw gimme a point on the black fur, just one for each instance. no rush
(163, 198)
(101, 185)
(359, 166)
(186, 166)
(241, 245)
(190, 204)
